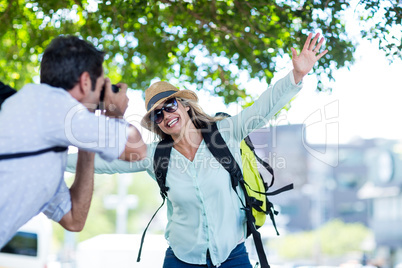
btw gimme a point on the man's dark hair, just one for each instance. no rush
(66, 58)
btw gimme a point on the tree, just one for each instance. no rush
(335, 238)
(205, 42)
(382, 21)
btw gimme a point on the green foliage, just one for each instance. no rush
(207, 43)
(334, 239)
(382, 21)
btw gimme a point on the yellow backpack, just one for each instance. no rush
(256, 187)
(255, 183)
(256, 205)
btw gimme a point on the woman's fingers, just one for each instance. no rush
(312, 44)
(294, 52)
(322, 54)
(307, 43)
(317, 48)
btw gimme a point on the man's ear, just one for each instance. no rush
(85, 83)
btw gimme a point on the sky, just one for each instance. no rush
(365, 101)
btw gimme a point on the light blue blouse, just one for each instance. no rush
(203, 210)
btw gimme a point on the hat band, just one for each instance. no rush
(159, 96)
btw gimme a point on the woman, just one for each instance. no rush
(206, 225)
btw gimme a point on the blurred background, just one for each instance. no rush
(338, 141)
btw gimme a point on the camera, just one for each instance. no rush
(115, 89)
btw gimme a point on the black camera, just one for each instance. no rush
(115, 89)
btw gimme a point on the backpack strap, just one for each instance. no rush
(222, 154)
(217, 146)
(5, 92)
(146, 228)
(161, 163)
(55, 149)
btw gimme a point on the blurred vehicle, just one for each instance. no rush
(29, 248)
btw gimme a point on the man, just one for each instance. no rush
(58, 113)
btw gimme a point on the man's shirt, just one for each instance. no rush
(40, 117)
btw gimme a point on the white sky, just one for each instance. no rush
(368, 99)
(365, 101)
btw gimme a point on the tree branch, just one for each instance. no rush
(79, 3)
(395, 8)
(5, 14)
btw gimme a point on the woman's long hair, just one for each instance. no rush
(197, 115)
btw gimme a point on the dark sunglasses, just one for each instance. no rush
(169, 106)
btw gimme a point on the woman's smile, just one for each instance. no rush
(172, 122)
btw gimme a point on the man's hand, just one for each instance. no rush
(303, 63)
(115, 103)
(81, 193)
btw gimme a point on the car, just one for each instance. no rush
(30, 246)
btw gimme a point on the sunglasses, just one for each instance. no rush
(169, 106)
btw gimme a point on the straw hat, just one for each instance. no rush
(158, 93)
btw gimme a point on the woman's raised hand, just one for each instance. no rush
(304, 62)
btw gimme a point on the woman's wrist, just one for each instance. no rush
(298, 76)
